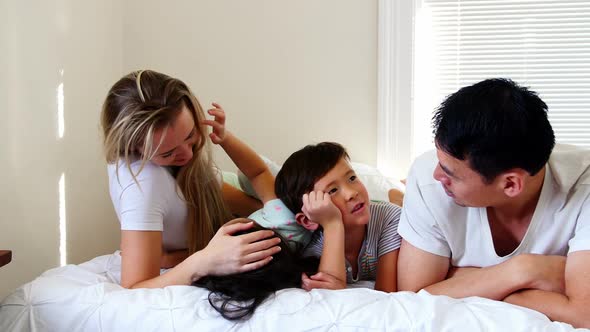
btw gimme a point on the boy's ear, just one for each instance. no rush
(305, 222)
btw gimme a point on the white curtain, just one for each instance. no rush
(544, 45)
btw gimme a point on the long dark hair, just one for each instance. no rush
(236, 296)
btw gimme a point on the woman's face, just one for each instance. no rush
(177, 140)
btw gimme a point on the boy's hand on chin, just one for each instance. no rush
(319, 208)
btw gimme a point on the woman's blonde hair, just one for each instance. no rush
(141, 103)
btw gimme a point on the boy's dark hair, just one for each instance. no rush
(496, 125)
(303, 169)
(236, 296)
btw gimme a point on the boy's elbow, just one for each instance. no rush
(408, 287)
(386, 288)
(410, 284)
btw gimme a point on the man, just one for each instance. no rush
(498, 212)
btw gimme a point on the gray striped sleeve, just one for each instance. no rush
(315, 246)
(382, 232)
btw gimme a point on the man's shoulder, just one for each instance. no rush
(421, 184)
(423, 167)
(426, 159)
(570, 166)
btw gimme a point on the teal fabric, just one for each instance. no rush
(276, 216)
(232, 179)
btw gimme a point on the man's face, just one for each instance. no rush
(464, 185)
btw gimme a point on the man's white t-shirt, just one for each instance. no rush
(431, 221)
(157, 204)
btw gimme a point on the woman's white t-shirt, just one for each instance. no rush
(155, 205)
(560, 225)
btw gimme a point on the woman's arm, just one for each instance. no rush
(242, 155)
(141, 254)
(225, 254)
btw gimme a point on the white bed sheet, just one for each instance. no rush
(87, 297)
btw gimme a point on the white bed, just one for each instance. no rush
(87, 297)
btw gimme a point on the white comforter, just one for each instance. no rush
(87, 297)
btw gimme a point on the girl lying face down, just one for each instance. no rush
(236, 296)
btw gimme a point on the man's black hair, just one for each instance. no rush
(496, 125)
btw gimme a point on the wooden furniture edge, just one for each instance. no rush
(5, 257)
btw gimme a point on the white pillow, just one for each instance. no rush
(377, 184)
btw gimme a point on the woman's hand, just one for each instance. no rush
(228, 254)
(321, 280)
(217, 124)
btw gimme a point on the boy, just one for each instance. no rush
(319, 185)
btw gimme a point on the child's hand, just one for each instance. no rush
(321, 280)
(218, 123)
(319, 208)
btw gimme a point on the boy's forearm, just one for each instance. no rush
(332, 260)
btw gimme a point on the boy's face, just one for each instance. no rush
(347, 192)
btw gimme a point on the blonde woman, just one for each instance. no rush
(168, 196)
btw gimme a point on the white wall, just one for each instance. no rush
(38, 40)
(289, 73)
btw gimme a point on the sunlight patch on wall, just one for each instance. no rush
(60, 106)
(424, 82)
(62, 220)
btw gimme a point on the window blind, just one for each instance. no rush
(541, 44)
